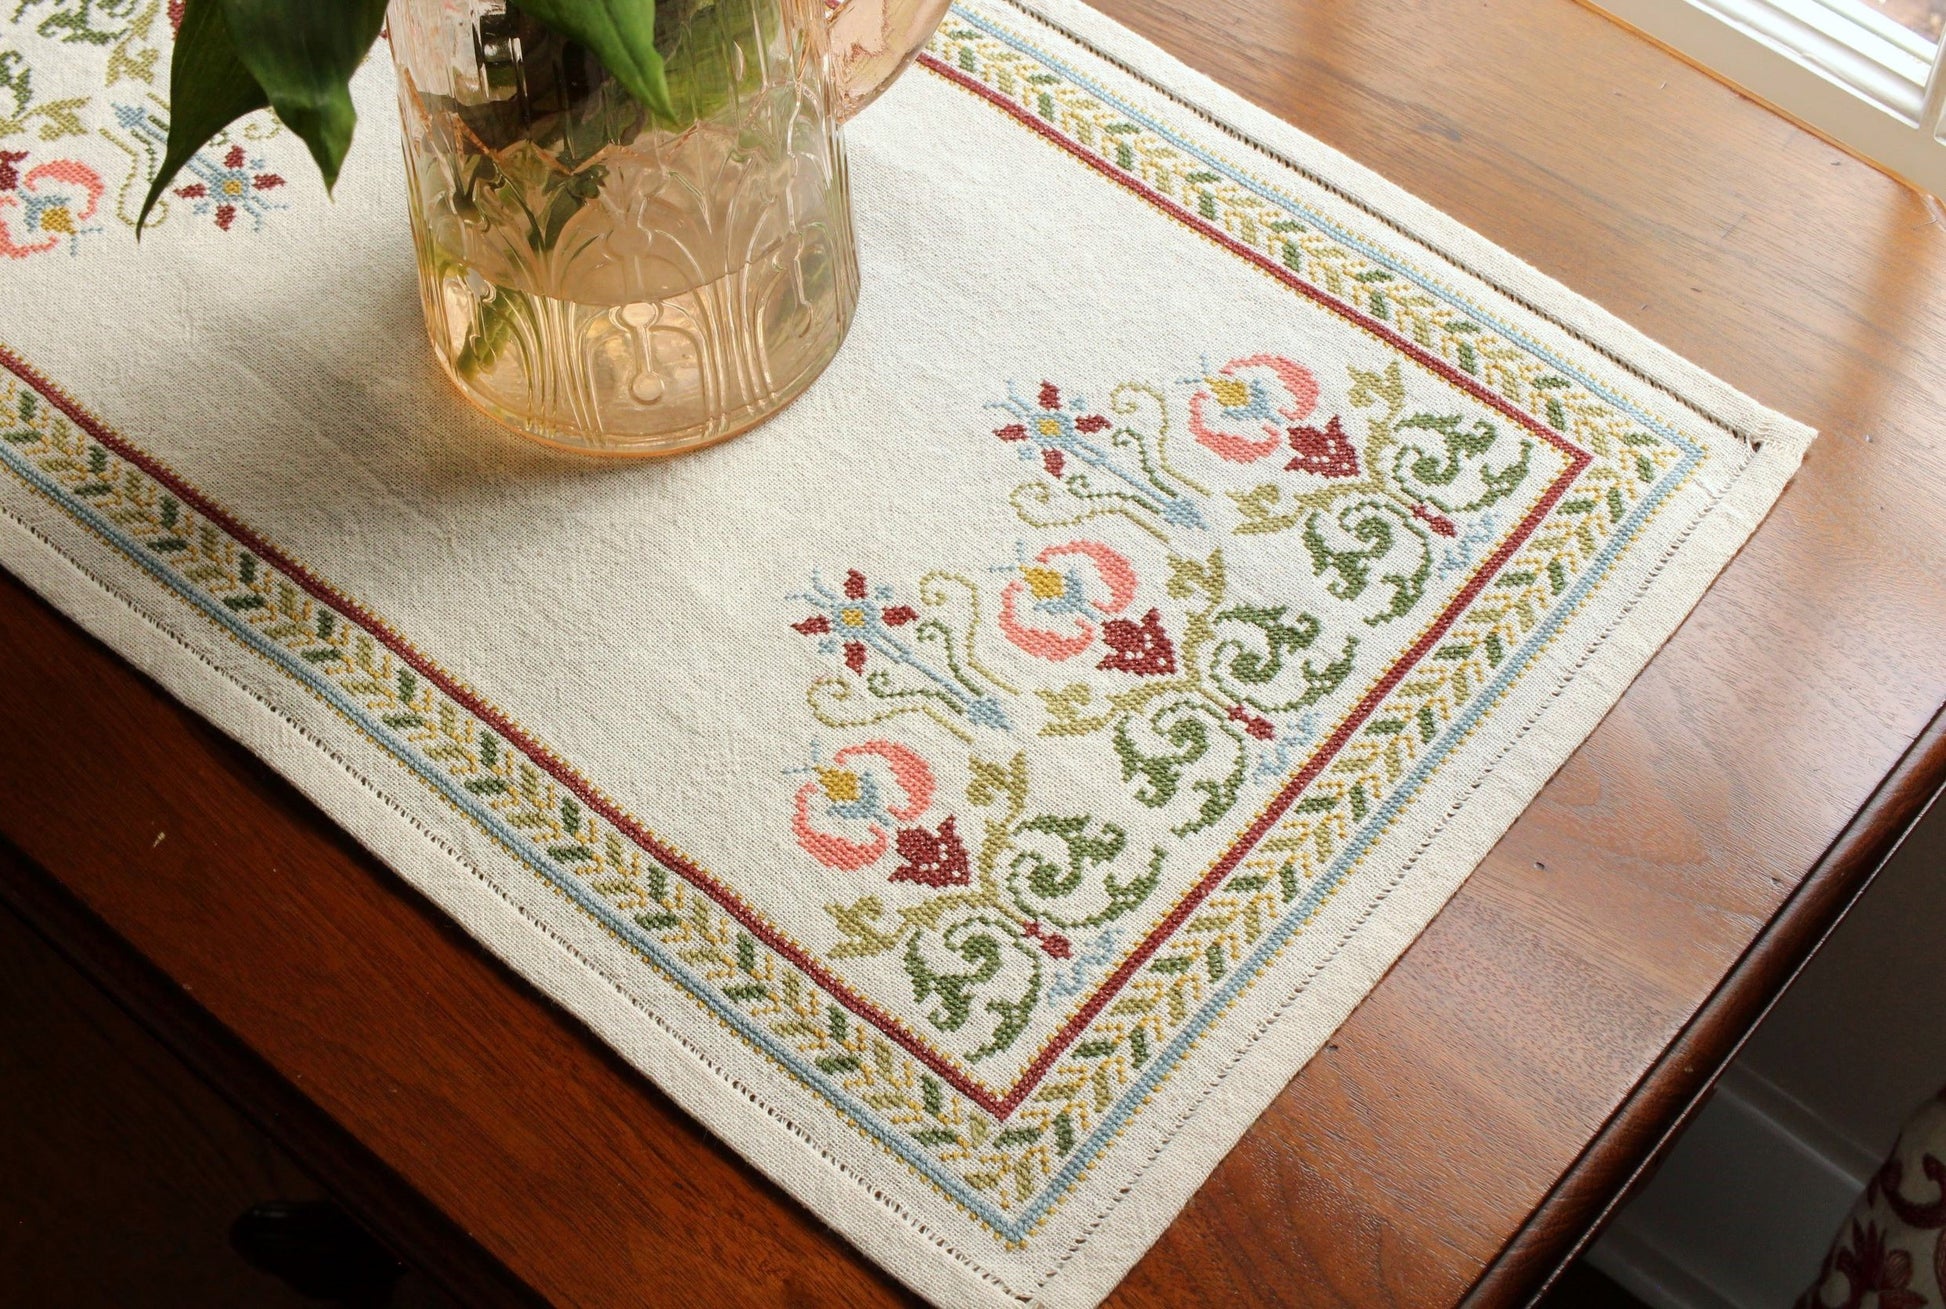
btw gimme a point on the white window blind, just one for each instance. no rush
(1865, 74)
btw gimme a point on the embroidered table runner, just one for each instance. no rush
(976, 793)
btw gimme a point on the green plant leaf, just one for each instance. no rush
(209, 88)
(302, 54)
(622, 35)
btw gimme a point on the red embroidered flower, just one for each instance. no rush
(1138, 647)
(1055, 429)
(1325, 451)
(233, 186)
(851, 620)
(935, 858)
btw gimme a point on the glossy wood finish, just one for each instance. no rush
(123, 1172)
(1524, 1055)
(123, 1190)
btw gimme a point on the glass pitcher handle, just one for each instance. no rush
(871, 43)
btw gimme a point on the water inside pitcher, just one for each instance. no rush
(612, 279)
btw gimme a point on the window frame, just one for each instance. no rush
(1851, 75)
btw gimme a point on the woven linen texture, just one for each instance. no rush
(975, 793)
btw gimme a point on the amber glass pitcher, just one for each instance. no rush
(616, 280)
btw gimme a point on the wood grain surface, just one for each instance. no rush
(121, 1172)
(1523, 1057)
(124, 1188)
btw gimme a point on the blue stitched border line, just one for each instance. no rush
(1019, 1227)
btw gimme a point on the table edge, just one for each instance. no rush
(407, 1223)
(1624, 1152)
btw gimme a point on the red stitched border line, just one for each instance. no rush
(1000, 1106)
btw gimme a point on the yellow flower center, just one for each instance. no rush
(852, 617)
(1229, 392)
(57, 219)
(1045, 583)
(1049, 426)
(231, 186)
(840, 785)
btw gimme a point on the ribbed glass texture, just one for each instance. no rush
(613, 281)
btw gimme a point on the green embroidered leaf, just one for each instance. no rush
(302, 54)
(1064, 1131)
(1287, 880)
(622, 35)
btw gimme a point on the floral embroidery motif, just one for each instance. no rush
(1138, 646)
(1051, 585)
(979, 949)
(1245, 408)
(1194, 694)
(45, 206)
(1324, 450)
(1368, 514)
(60, 58)
(1892, 1249)
(872, 791)
(1005, 1151)
(935, 858)
(1121, 469)
(860, 620)
(234, 185)
(852, 619)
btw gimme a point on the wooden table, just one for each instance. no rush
(1520, 1063)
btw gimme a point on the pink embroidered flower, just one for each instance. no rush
(867, 802)
(46, 205)
(1065, 591)
(1244, 409)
